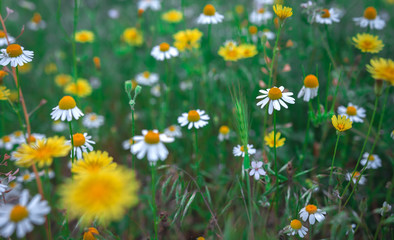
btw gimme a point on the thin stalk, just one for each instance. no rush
(196, 157)
(154, 207)
(132, 134)
(274, 54)
(251, 223)
(333, 158)
(72, 142)
(275, 166)
(73, 42)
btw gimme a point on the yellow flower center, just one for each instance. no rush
(12, 184)
(26, 177)
(36, 18)
(193, 116)
(172, 128)
(274, 93)
(83, 37)
(67, 102)
(18, 133)
(131, 141)
(295, 224)
(31, 139)
(164, 47)
(253, 30)
(79, 139)
(93, 117)
(14, 50)
(2, 34)
(311, 81)
(243, 149)
(146, 74)
(18, 213)
(351, 111)
(311, 209)
(356, 175)
(341, 126)
(325, 13)
(152, 137)
(370, 13)
(224, 130)
(371, 158)
(261, 10)
(6, 139)
(209, 10)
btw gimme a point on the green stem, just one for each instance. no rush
(154, 207)
(274, 54)
(132, 134)
(72, 142)
(251, 231)
(17, 82)
(73, 42)
(275, 166)
(333, 158)
(196, 157)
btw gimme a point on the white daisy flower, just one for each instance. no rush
(260, 16)
(18, 137)
(155, 5)
(371, 19)
(276, 97)
(209, 15)
(296, 227)
(263, 2)
(385, 208)
(156, 90)
(36, 23)
(82, 143)
(16, 55)
(194, 118)
(257, 170)
(164, 51)
(224, 133)
(372, 160)
(186, 85)
(230, 43)
(173, 131)
(355, 176)
(22, 216)
(26, 176)
(7, 142)
(328, 16)
(59, 126)
(240, 151)
(3, 188)
(33, 137)
(126, 144)
(151, 144)
(67, 109)
(268, 34)
(353, 112)
(92, 120)
(313, 213)
(351, 228)
(50, 173)
(310, 88)
(147, 78)
(3, 39)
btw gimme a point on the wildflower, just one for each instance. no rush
(4, 93)
(371, 19)
(84, 36)
(67, 109)
(282, 12)
(368, 43)
(92, 120)
(151, 144)
(373, 161)
(133, 37)
(342, 123)
(224, 133)
(59, 126)
(97, 63)
(385, 208)
(240, 150)
(62, 79)
(313, 213)
(90, 234)
(147, 78)
(7, 142)
(172, 16)
(230, 52)
(328, 16)
(2, 75)
(310, 88)
(18, 137)
(36, 22)
(93, 162)
(81, 88)
(268, 34)
(113, 13)
(382, 69)
(260, 16)
(127, 143)
(104, 195)
(156, 90)
(3, 188)
(257, 170)
(25, 177)
(263, 2)
(173, 131)
(296, 227)
(16, 55)
(164, 51)
(188, 39)
(351, 228)
(194, 118)
(152, 4)
(41, 152)
(209, 15)
(355, 176)
(269, 140)
(50, 68)
(276, 97)
(353, 112)
(33, 137)
(82, 143)
(248, 50)
(3, 39)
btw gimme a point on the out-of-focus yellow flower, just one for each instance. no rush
(13, 96)
(248, 50)
(84, 36)
(269, 140)
(25, 68)
(239, 9)
(342, 123)
(81, 89)
(93, 162)
(50, 68)
(230, 52)
(382, 69)
(172, 16)
(62, 79)
(187, 40)
(133, 37)
(90, 234)
(368, 43)
(4, 93)
(3, 74)
(282, 12)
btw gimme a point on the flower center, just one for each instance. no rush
(6, 139)
(14, 50)
(79, 139)
(325, 13)
(164, 47)
(2, 34)
(84, 37)
(18, 213)
(356, 175)
(26, 177)
(18, 133)
(93, 117)
(371, 158)
(171, 128)
(224, 130)
(146, 74)
(12, 184)
(311, 209)
(311, 81)
(67, 102)
(341, 126)
(295, 224)
(131, 141)
(209, 10)
(32, 139)
(253, 30)
(261, 10)
(351, 111)
(370, 13)
(193, 116)
(36, 18)
(274, 93)
(243, 149)
(152, 137)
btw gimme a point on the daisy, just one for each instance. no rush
(224, 133)
(33, 137)
(147, 78)
(126, 144)
(16, 55)
(210, 16)
(240, 151)
(36, 22)
(328, 16)
(82, 143)
(263, 2)
(353, 112)
(385, 208)
(3, 188)
(92, 120)
(310, 88)
(3, 39)
(20, 217)
(268, 34)
(276, 97)
(151, 144)
(164, 51)
(156, 90)
(67, 109)
(313, 213)
(260, 16)
(194, 118)
(18, 137)
(59, 126)
(373, 161)
(371, 19)
(257, 170)
(355, 176)
(7, 142)
(296, 227)
(173, 131)
(25, 177)
(152, 4)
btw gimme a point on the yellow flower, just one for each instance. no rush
(50, 68)
(368, 43)
(62, 79)
(230, 53)
(42, 151)
(13, 96)
(3, 74)
(81, 89)
(342, 123)
(172, 16)
(132, 36)
(269, 140)
(25, 68)
(93, 162)
(282, 12)
(90, 234)
(248, 50)
(382, 69)
(4, 93)
(187, 40)
(104, 195)
(84, 36)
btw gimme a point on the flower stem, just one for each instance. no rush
(199, 179)
(275, 166)
(72, 142)
(132, 134)
(333, 159)
(251, 231)
(154, 207)
(73, 42)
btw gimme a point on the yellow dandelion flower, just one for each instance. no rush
(93, 162)
(248, 50)
(382, 69)
(4, 93)
(42, 151)
(368, 43)
(62, 79)
(342, 123)
(187, 40)
(84, 36)
(172, 16)
(282, 12)
(81, 89)
(90, 234)
(269, 140)
(230, 53)
(133, 37)
(104, 195)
